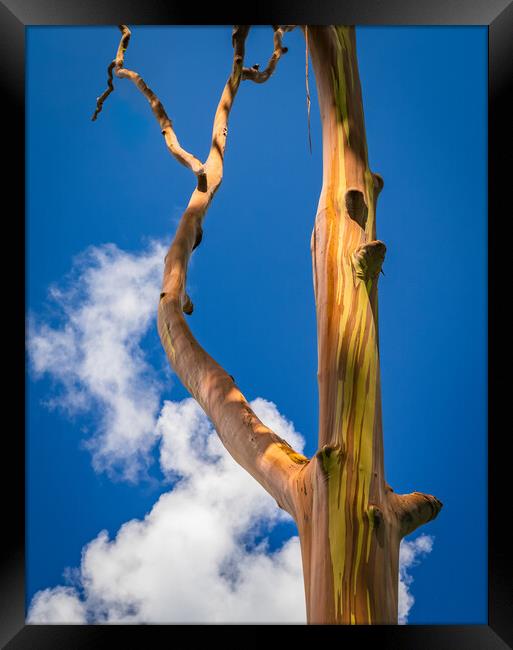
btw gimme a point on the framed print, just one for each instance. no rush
(128, 514)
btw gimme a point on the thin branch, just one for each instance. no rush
(106, 93)
(220, 125)
(259, 77)
(166, 126)
(414, 510)
(307, 88)
(118, 61)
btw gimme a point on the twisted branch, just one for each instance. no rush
(166, 126)
(104, 95)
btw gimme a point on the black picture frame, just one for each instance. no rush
(498, 15)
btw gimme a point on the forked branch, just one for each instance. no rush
(267, 457)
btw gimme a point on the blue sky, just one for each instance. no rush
(113, 182)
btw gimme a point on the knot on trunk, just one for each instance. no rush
(368, 259)
(375, 516)
(330, 454)
(356, 207)
(187, 306)
(202, 180)
(199, 237)
(378, 183)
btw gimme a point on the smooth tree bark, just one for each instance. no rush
(350, 521)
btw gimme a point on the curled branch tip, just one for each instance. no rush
(254, 73)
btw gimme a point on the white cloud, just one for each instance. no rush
(193, 558)
(58, 605)
(107, 307)
(410, 553)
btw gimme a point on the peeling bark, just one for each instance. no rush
(354, 523)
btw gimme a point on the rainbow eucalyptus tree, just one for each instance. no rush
(350, 521)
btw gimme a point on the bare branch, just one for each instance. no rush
(106, 93)
(268, 458)
(414, 510)
(220, 126)
(253, 445)
(308, 102)
(166, 126)
(259, 77)
(118, 61)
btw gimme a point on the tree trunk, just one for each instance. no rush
(350, 521)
